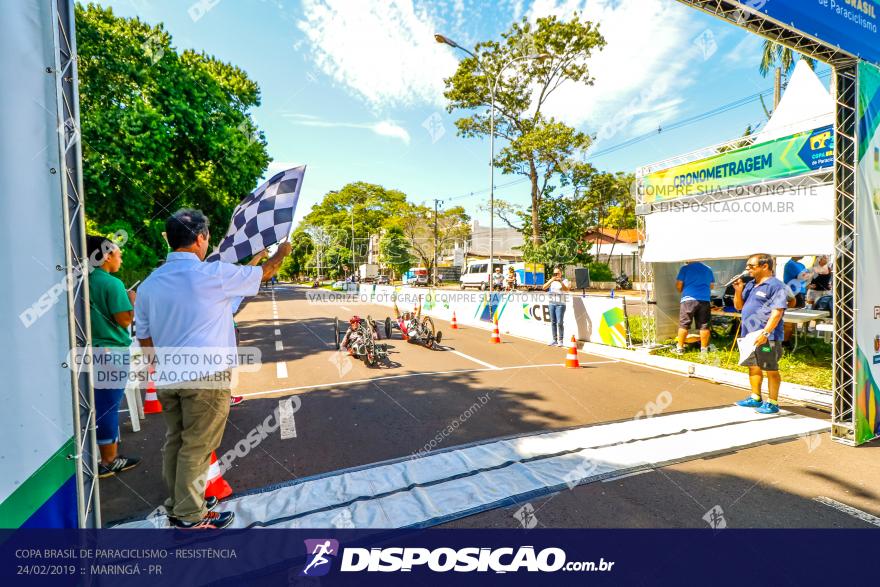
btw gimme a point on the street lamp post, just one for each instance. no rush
(352, 242)
(446, 40)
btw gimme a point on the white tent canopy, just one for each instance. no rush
(805, 105)
(792, 222)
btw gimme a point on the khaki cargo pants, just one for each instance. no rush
(195, 419)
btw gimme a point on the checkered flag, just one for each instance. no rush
(263, 218)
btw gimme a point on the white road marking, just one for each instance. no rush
(276, 322)
(598, 362)
(279, 346)
(346, 308)
(847, 509)
(285, 417)
(281, 370)
(405, 375)
(470, 358)
(277, 332)
(619, 477)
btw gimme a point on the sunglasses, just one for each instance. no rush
(753, 265)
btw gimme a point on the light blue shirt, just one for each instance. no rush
(187, 303)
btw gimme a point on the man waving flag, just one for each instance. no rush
(263, 218)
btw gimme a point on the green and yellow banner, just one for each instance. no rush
(781, 158)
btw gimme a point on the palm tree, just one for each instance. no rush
(782, 59)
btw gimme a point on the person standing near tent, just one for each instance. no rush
(762, 303)
(111, 313)
(557, 285)
(794, 275)
(184, 308)
(821, 283)
(694, 282)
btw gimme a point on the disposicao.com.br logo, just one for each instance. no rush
(444, 559)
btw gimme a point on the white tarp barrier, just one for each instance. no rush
(446, 485)
(797, 222)
(597, 319)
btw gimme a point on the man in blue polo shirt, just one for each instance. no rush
(762, 303)
(694, 282)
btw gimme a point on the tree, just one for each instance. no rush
(611, 197)
(394, 251)
(563, 224)
(358, 210)
(417, 225)
(536, 146)
(781, 59)
(296, 263)
(597, 200)
(160, 130)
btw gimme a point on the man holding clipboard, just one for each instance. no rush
(762, 303)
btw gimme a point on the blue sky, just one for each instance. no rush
(353, 88)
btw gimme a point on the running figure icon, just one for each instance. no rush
(321, 549)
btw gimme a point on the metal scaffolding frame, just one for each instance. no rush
(846, 160)
(75, 259)
(844, 86)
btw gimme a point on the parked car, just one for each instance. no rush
(416, 276)
(383, 280)
(344, 286)
(477, 274)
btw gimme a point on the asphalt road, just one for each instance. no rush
(353, 415)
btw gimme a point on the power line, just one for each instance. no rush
(717, 111)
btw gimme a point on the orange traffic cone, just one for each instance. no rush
(571, 358)
(454, 325)
(151, 402)
(496, 336)
(216, 485)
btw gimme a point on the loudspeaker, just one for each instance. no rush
(582, 278)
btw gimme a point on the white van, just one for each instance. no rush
(476, 274)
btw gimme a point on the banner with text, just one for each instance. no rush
(867, 392)
(852, 25)
(781, 158)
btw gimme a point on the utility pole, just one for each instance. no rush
(352, 242)
(436, 204)
(777, 88)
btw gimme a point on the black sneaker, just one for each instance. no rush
(211, 521)
(211, 502)
(119, 465)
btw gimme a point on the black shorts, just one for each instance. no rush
(766, 356)
(693, 310)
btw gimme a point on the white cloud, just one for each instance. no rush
(383, 52)
(746, 53)
(385, 128)
(642, 74)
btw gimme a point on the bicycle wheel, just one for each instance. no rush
(428, 332)
(336, 331)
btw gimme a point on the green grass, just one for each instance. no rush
(800, 367)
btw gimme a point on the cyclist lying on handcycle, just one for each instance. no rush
(354, 338)
(416, 329)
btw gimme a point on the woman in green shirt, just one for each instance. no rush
(111, 312)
